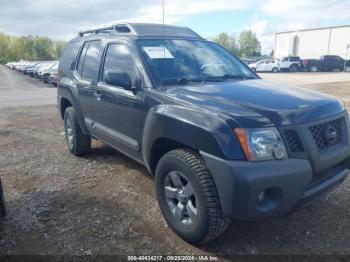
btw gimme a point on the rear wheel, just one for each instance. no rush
(78, 143)
(274, 70)
(313, 68)
(293, 68)
(188, 197)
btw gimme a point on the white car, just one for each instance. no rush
(266, 65)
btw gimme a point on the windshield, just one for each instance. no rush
(178, 61)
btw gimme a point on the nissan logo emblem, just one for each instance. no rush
(331, 134)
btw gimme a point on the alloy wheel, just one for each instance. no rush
(180, 198)
(69, 132)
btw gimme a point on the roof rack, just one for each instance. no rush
(119, 28)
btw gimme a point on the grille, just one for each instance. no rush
(293, 141)
(327, 134)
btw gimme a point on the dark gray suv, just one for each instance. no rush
(221, 142)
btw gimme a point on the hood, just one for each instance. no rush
(256, 103)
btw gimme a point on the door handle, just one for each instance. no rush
(98, 95)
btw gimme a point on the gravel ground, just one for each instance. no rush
(104, 203)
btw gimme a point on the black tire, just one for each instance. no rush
(78, 143)
(2, 201)
(313, 68)
(209, 222)
(275, 70)
(293, 68)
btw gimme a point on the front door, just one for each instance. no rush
(119, 111)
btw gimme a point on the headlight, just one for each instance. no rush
(261, 143)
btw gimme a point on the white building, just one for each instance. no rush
(313, 43)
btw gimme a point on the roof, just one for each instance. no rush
(142, 29)
(311, 29)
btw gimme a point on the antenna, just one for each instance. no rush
(163, 26)
(163, 12)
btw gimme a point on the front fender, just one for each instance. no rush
(201, 130)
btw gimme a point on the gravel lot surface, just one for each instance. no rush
(104, 203)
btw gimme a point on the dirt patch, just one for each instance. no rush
(104, 203)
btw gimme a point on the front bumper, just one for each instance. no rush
(289, 185)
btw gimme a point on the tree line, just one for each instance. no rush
(35, 48)
(38, 48)
(247, 44)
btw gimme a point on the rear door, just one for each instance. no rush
(269, 65)
(85, 78)
(339, 63)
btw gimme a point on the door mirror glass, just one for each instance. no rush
(121, 79)
(72, 66)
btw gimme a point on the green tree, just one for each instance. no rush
(227, 41)
(249, 44)
(28, 48)
(58, 49)
(5, 43)
(43, 48)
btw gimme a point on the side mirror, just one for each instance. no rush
(72, 66)
(121, 79)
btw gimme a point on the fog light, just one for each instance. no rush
(261, 197)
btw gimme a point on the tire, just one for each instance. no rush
(2, 202)
(313, 68)
(293, 68)
(275, 70)
(207, 223)
(78, 143)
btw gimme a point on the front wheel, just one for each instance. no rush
(275, 70)
(188, 197)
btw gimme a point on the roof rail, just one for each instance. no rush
(123, 28)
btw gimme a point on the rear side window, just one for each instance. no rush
(69, 55)
(120, 59)
(295, 59)
(92, 61)
(82, 57)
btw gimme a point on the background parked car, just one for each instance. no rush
(47, 71)
(291, 63)
(53, 75)
(31, 71)
(266, 65)
(325, 63)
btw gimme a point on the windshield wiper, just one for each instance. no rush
(183, 81)
(186, 80)
(227, 77)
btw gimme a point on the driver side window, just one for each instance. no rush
(119, 59)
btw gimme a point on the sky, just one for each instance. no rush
(63, 19)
